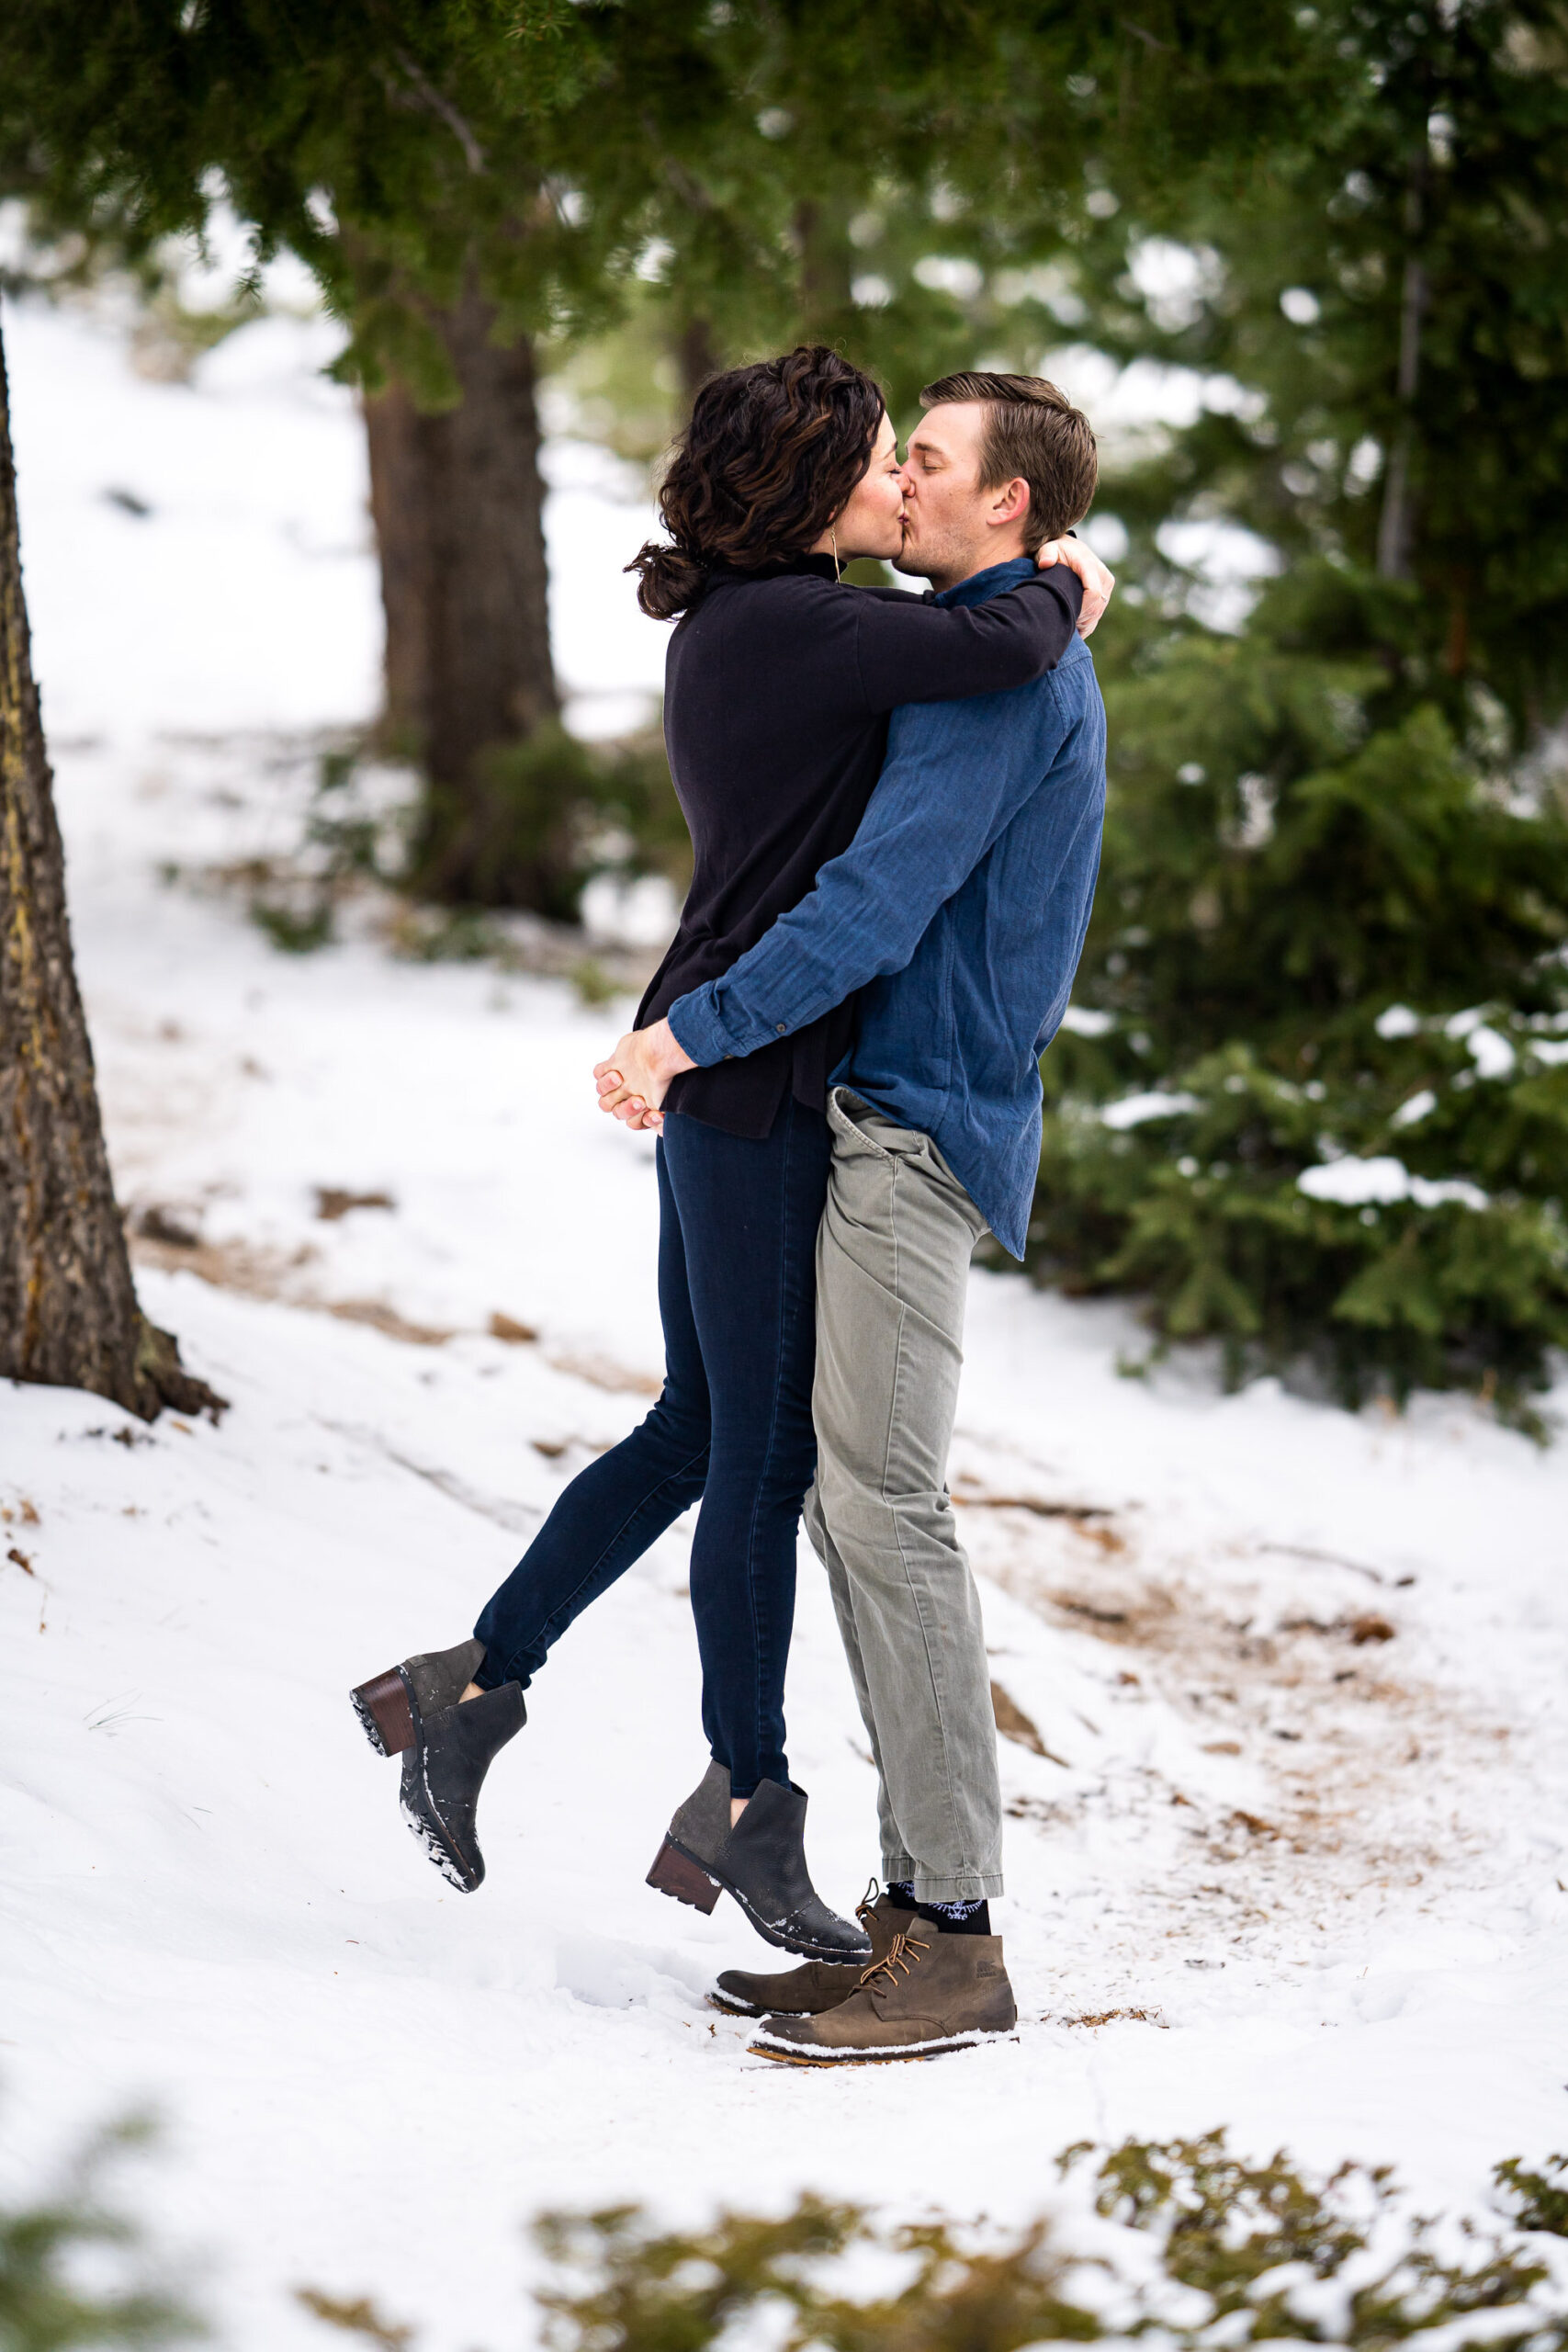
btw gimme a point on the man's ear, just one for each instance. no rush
(1010, 504)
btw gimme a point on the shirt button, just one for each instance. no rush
(779, 1026)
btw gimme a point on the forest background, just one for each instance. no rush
(1312, 1098)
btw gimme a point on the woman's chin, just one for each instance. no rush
(885, 551)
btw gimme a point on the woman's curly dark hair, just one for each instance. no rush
(770, 455)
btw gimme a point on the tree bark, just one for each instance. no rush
(1396, 524)
(696, 357)
(68, 1311)
(821, 236)
(458, 504)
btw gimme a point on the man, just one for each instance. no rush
(959, 912)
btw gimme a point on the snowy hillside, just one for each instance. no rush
(1293, 1859)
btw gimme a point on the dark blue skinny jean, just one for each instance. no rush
(737, 1292)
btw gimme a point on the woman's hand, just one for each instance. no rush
(635, 1079)
(1099, 584)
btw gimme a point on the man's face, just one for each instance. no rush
(952, 526)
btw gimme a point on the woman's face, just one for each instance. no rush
(871, 520)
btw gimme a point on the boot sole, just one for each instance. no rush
(674, 1858)
(385, 1715)
(865, 2057)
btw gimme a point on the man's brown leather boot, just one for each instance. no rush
(821, 1984)
(932, 1993)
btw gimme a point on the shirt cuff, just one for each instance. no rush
(698, 1029)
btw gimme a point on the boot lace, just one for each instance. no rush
(898, 1961)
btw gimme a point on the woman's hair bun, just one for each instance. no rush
(668, 579)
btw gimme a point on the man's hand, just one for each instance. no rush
(1098, 582)
(634, 1081)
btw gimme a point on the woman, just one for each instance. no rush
(779, 683)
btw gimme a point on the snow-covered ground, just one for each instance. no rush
(1293, 1861)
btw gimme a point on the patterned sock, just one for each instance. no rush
(901, 1894)
(958, 1918)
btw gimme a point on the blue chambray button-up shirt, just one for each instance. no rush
(959, 910)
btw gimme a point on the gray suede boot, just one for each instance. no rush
(761, 1861)
(444, 1773)
(413, 1711)
(817, 1985)
(436, 1678)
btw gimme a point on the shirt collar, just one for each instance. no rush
(820, 567)
(982, 586)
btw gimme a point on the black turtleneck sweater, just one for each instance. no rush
(777, 689)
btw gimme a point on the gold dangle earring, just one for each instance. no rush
(838, 566)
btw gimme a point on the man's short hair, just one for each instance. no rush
(1033, 431)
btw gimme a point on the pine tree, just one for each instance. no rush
(399, 150)
(1314, 1102)
(468, 178)
(68, 1311)
(116, 125)
(882, 176)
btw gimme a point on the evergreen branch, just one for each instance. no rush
(440, 104)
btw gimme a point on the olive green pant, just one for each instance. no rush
(892, 1274)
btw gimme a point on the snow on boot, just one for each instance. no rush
(444, 1773)
(933, 1993)
(388, 1705)
(760, 1860)
(817, 1985)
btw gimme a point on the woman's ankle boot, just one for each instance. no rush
(444, 1771)
(760, 1860)
(388, 1705)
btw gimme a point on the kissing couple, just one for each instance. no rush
(895, 803)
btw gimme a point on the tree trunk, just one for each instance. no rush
(1396, 524)
(696, 357)
(68, 1311)
(822, 239)
(458, 504)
